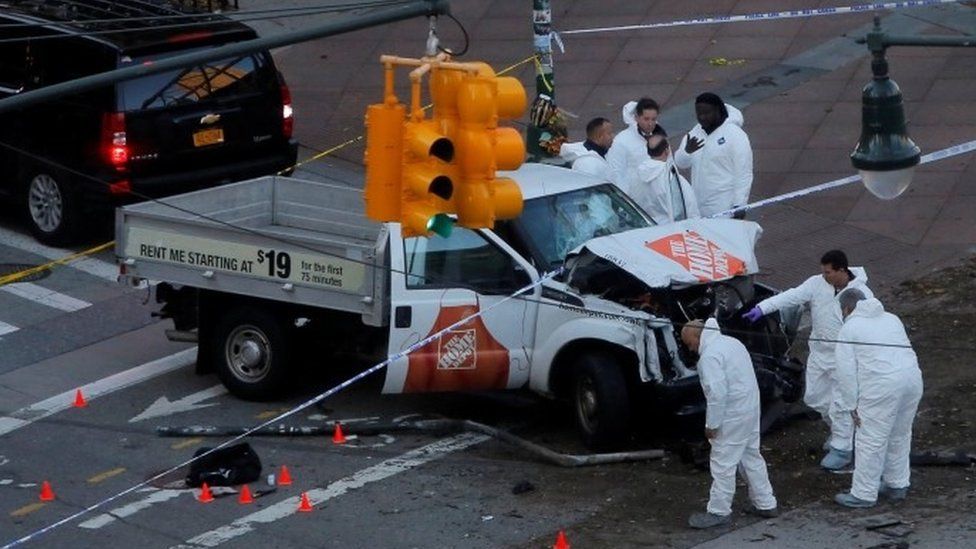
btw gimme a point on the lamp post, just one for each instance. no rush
(885, 156)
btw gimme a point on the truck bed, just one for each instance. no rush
(277, 238)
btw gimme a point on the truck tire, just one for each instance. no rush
(251, 353)
(601, 403)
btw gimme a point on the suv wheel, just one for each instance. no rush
(51, 210)
(601, 402)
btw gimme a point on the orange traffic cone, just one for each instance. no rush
(561, 542)
(305, 506)
(245, 496)
(205, 495)
(80, 401)
(284, 477)
(338, 437)
(47, 494)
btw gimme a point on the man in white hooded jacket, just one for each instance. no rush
(661, 191)
(820, 293)
(629, 147)
(719, 155)
(590, 156)
(880, 386)
(731, 422)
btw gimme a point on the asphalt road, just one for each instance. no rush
(78, 328)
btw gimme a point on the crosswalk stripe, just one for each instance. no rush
(45, 296)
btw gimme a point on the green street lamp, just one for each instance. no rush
(885, 156)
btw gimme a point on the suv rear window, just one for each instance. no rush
(214, 80)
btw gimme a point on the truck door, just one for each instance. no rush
(438, 281)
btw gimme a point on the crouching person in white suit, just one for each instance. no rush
(731, 423)
(881, 386)
(590, 155)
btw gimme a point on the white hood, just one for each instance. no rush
(868, 308)
(693, 251)
(628, 112)
(709, 334)
(571, 151)
(735, 115)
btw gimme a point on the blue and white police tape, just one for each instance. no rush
(941, 154)
(322, 396)
(765, 16)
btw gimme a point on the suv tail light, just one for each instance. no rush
(287, 114)
(113, 145)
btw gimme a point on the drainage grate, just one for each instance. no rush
(11, 268)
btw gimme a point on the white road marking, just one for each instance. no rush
(133, 376)
(317, 496)
(45, 296)
(6, 481)
(7, 328)
(164, 407)
(157, 496)
(95, 267)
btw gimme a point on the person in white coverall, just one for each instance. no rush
(731, 422)
(590, 156)
(820, 293)
(719, 155)
(880, 387)
(629, 147)
(661, 191)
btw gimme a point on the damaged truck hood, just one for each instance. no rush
(693, 251)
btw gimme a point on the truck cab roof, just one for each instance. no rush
(537, 180)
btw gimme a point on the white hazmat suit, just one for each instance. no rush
(884, 385)
(826, 318)
(585, 160)
(732, 395)
(721, 170)
(628, 150)
(663, 192)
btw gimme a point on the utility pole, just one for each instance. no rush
(545, 84)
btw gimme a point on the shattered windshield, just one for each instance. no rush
(556, 224)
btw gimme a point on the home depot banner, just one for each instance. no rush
(688, 252)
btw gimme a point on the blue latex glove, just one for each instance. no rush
(754, 314)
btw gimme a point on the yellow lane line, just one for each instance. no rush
(106, 475)
(27, 509)
(186, 443)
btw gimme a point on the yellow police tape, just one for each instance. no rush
(14, 277)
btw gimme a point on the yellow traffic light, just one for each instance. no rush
(383, 159)
(483, 148)
(419, 169)
(427, 179)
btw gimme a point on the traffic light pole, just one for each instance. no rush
(408, 10)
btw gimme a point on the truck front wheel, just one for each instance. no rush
(250, 353)
(600, 401)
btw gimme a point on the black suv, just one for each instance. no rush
(68, 161)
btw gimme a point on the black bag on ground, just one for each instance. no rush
(229, 466)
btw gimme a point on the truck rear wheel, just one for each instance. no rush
(601, 403)
(251, 353)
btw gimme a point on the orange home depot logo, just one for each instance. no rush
(699, 256)
(465, 358)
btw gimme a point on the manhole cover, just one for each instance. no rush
(11, 268)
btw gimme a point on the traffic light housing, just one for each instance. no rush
(427, 179)
(419, 169)
(483, 148)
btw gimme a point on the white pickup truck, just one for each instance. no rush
(276, 261)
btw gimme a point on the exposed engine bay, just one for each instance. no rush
(768, 341)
